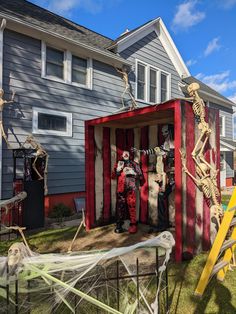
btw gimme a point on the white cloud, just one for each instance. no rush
(213, 45)
(227, 4)
(191, 62)
(67, 7)
(233, 99)
(187, 15)
(220, 82)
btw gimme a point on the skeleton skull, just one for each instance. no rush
(125, 155)
(192, 88)
(165, 131)
(14, 254)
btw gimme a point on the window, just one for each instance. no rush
(141, 81)
(52, 122)
(222, 125)
(79, 70)
(152, 84)
(234, 126)
(54, 63)
(65, 67)
(164, 88)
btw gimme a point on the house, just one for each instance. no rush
(64, 74)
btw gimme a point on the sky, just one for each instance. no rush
(204, 31)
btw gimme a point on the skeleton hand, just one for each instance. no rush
(120, 166)
(129, 171)
(183, 158)
(13, 96)
(133, 149)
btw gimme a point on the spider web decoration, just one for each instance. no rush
(62, 283)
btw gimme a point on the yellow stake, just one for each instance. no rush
(216, 247)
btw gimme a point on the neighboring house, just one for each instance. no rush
(64, 74)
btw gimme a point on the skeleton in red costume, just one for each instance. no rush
(129, 175)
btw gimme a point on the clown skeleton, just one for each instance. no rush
(40, 153)
(2, 104)
(128, 174)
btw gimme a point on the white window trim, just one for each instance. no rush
(36, 130)
(223, 125)
(147, 90)
(67, 73)
(233, 126)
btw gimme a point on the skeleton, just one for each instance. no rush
(16, 253)
(125, 78)
(200, 114)
(7, 204)
(160, 152)
(40, 153)
(2, 104)
(206, 184)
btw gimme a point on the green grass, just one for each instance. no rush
(219, 297)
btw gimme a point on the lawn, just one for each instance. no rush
(183, 277)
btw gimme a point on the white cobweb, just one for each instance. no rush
(77, 282)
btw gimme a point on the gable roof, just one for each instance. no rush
(207, 91)
(38, 16)
(157, 25)
(22, 15)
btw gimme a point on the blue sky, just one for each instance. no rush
(203, 30)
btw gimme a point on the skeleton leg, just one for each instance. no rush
(197, 144)
(35, 169)
(4, 135)
(46, 175)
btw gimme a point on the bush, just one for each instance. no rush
(59, 211)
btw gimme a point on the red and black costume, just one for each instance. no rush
(127, 183)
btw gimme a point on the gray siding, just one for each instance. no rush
(229, 158)
(150, 50)
(228, 113)
(22, 73)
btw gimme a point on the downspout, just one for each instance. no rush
(2, 27)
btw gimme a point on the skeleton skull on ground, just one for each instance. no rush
(16, 253)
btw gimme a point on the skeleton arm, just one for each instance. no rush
(15, 199)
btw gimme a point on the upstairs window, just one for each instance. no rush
(141, 82)
(222, 125)
(164, 87)
(63, 66)
(79, 70)
(152, 84)
(54, 63)
(52, 122)
(234, 126)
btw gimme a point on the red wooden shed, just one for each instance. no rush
(107, 137)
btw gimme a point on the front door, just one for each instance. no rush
(222, 170)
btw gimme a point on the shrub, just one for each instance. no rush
(59, 211)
